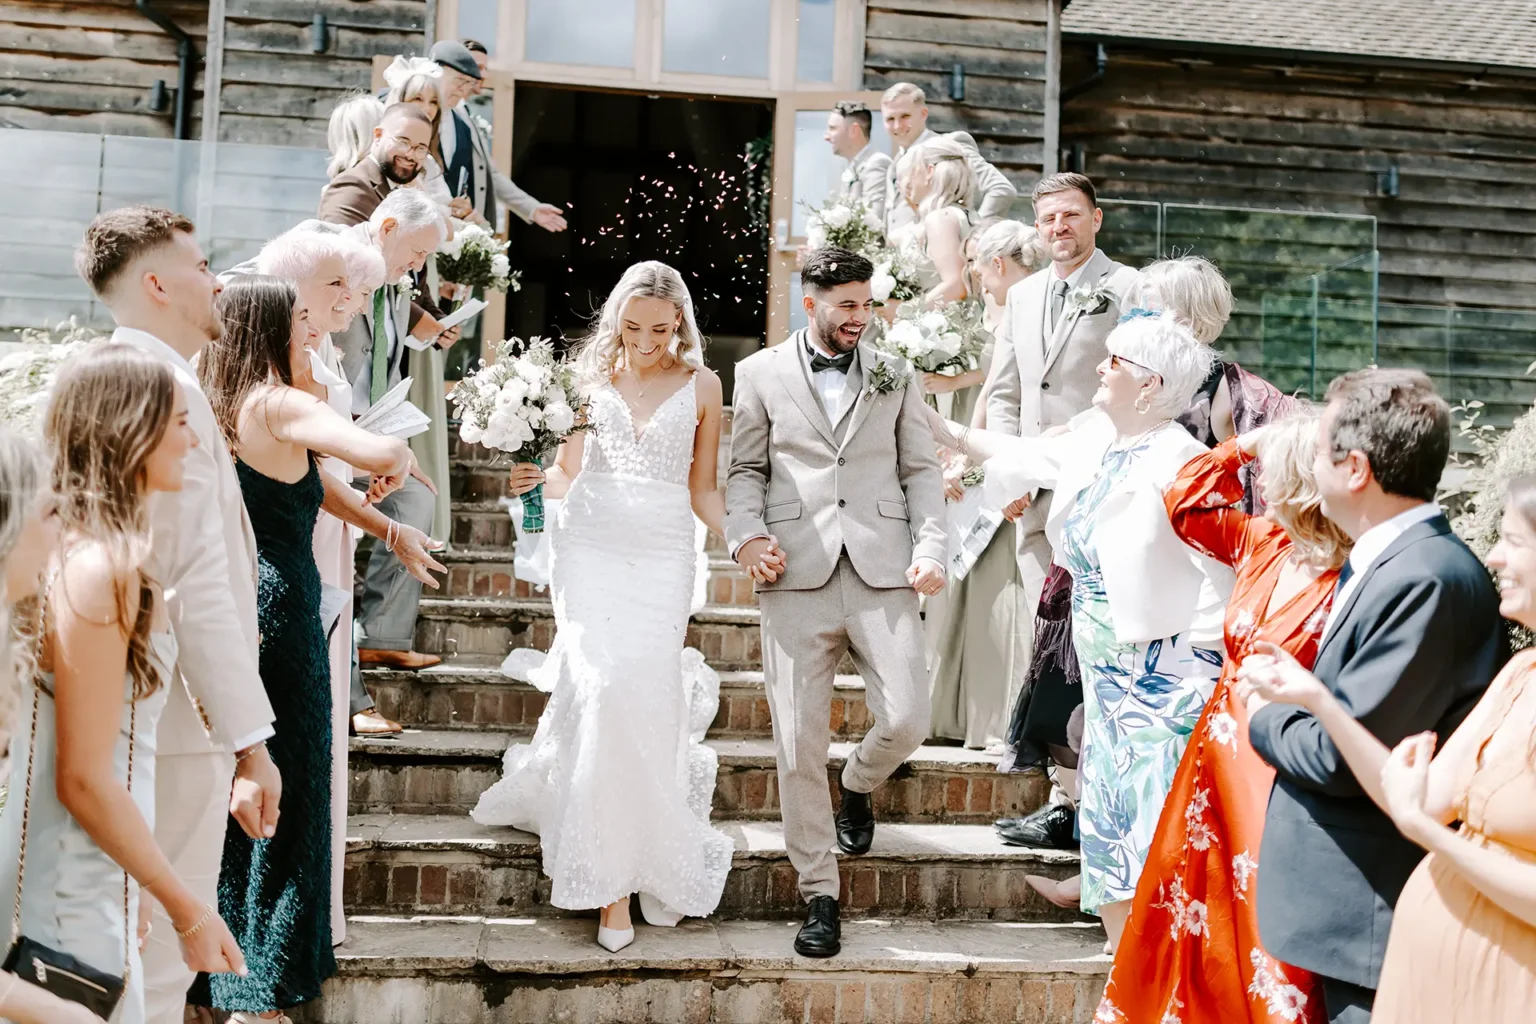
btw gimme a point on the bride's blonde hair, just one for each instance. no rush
(599, 358)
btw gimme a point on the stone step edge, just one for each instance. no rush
(447, 674)
(537, 607)
(419, 944)
(755, 841)
(489, 746)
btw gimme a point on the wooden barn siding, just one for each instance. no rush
(88, 65)
(1261, 132)
(1002, 44)
(276, 90)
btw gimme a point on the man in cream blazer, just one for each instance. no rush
(864, 180)
(904, 108)
(833, 466)
(145, 266)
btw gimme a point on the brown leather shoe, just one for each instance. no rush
(396, 659)
(1065, 893)
(371, 723)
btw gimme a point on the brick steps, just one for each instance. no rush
(487, 572)
(471, 693)
(727, 635)
(445, 771)
(444, 970)
(448, 864)
(486, 524)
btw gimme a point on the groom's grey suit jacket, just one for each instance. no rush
(869, 484)
(1416, 643)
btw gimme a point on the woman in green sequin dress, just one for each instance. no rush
(275, 892)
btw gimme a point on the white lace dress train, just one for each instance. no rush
(617, 782)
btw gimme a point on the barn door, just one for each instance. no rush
(805, 173)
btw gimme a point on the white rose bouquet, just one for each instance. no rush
(477, 258)
(845, 224)
(948, 340)
(523, 404)
(27, 375)
(895, 278)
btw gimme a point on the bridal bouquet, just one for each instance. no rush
(27, 374)
(949, 340)
(523, 404)
(477, 258)
(895, 278)
(846, 224)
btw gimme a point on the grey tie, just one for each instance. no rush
(1058, 300)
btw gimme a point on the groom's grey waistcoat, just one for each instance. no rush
(869, 485)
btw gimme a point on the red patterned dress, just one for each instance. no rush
(1191, 950)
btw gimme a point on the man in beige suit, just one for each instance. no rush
(848, 130)
(904, 108)
(1058, 319)
(145, 266)
(835, 479)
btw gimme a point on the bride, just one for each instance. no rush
(617, 782)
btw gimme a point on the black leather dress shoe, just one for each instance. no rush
(1049, 828)
(822, 933)
(855, 821)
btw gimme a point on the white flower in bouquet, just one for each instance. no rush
(500, 265)
(948, 343)
(477, 258)
(844, 223)
(837, 217)
(559, 417)
(523, 404)
(909, 340)
(882, 283)
(471, 432)
(933, 320)
(949, 340)
(512, 394)
(895, 277)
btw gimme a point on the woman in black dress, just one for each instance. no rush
(275, 893)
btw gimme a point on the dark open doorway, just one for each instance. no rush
(674, 178)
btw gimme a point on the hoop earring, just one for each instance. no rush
(1143, 403)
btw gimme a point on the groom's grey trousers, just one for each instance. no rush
(390, 592)
(805, 634)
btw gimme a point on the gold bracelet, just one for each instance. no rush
(241, 755)
(207, 916)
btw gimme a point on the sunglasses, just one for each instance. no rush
(1121, 363)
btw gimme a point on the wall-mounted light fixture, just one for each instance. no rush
(1389, 182)
(319, 35)
(957, 82)
(159, 99)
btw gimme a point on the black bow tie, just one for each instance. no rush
(820, 362)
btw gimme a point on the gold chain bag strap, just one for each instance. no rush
(58, 972)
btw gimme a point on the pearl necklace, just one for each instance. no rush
(1118, 446)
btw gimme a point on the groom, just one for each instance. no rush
(834, 480)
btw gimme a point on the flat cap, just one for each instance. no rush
(452, 54)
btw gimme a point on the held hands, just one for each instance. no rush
(762, 559)
(525, 477)
(461, 207)
(1271, 675)
(1014, 509)
(1405, 782)
(926, 576)
(258, 788)
(954, 490)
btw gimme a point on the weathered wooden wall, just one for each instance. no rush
(1001, 43)
(277, 90)
(89, 65)
(1458, 242)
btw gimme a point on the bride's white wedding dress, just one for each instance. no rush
(617, 782)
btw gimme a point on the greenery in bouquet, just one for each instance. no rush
(895, 278)
(477, 258)
(949, 340)
(844, 223)
(28, 372)
(524, 404)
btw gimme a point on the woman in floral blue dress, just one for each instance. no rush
(1146, 608)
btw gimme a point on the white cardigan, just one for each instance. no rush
(1157, 585)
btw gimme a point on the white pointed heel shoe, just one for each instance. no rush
(655, 914)
(614, 939)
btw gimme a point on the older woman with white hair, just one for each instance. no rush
(1146, 608)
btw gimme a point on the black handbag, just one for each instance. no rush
(59, 973)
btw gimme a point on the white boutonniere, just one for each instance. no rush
(885, 378)
(408, 286)
(482, 124)
(849, 177)
(1090, 300)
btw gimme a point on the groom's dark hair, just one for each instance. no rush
(830, 266)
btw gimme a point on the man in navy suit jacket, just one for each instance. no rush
(1412, 641)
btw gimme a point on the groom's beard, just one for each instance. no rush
(828, 334)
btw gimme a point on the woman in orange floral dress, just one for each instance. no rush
(1191, 950)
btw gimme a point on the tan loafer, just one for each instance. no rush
(396, 659)
(371, 723)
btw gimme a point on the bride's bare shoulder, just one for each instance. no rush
(708, 391)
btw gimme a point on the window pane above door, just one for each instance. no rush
(597, 33)
(816, 28)
(717, 37)
(478, 21)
